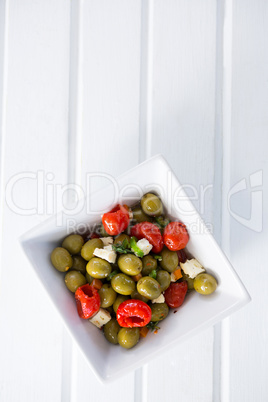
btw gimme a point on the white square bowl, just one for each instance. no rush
(197, 313)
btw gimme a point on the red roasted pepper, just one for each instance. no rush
(175, 294)
(117, 220)
(133, 313)
(94, 235)
(175, 236)
(87, 301)
(150, 232)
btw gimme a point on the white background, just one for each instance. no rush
(99, 85)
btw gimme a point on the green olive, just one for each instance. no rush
(159, 311)
(61, 259)
(137, 295)
(139, 215)
(107, 295)
(129, 264)
(74, 279)
(163, 277)
(205, 284)
(119, 239)
(120, 299)
(89, 247)
(149, 287)
(123, 284)
(73, 243)
(98, 268)
(149, 263)
(151, 205)
(190, 281)
(79, 264)
(170, 260)
(89, 278)
(128, 337)
(111, 330)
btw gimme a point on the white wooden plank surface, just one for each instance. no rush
(36, 111)
(110, 125)
(145, 77)
(248, 353)
(183, 114)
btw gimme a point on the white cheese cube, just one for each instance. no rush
(192, 268)
(107, 240)
(144, 246)
(160, 299)
(101, 318)
(108, 255)
(109, 247)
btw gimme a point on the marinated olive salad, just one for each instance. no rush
(126, 279)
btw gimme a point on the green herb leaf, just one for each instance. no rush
(119, 249)
(125, 243)
(152, 274)
(158, 257)
(123, 248)
(111, 275)
(153, 325)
